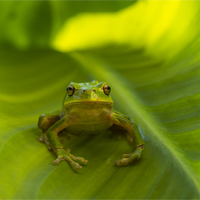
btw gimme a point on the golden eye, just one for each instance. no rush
(106, 89)
(70, 90)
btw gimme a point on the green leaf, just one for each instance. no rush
(26, 24)
(62, 10)
(22, 27)
(169, 168)
(154, 79)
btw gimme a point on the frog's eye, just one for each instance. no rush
(70, 90)
(106, 89)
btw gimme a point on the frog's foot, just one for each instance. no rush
(132, 157)
(43, 138)
(66, 155)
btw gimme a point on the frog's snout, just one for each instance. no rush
(88, 94)
(86, 90)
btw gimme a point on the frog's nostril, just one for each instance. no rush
(84, 90)
(94, 90)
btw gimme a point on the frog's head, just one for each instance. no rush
(88, 92)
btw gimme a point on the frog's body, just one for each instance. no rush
(91, 120)
(87, 109)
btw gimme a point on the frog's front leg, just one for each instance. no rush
(45, 122)
(133, 136)
(56, 145)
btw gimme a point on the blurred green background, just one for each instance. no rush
(148, 52)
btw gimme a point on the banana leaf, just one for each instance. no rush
(148, 52)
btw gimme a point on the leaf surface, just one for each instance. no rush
(154, 80)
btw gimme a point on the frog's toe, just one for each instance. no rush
(58, 160)
(49, 148)
(41, 139)
(66, 155)
(79, 158)
(126, 155)
(84, 161)
(121, 162)
(76, 158)
(126, 161)
(131, 157)
(76, 165)
(48, 145)
(71, 162)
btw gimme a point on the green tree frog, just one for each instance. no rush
(88, 109)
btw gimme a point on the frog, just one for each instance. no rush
(87, 109)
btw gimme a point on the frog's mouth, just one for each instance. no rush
(88, 102)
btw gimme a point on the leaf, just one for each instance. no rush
(154, 80)
(27, 166)
(21, 27)
(26, 24)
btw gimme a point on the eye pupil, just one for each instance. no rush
(106, 89)
(70, 90)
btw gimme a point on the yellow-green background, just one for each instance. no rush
(149, 53)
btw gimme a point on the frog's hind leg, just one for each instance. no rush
(133, 136)
(45, 122)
